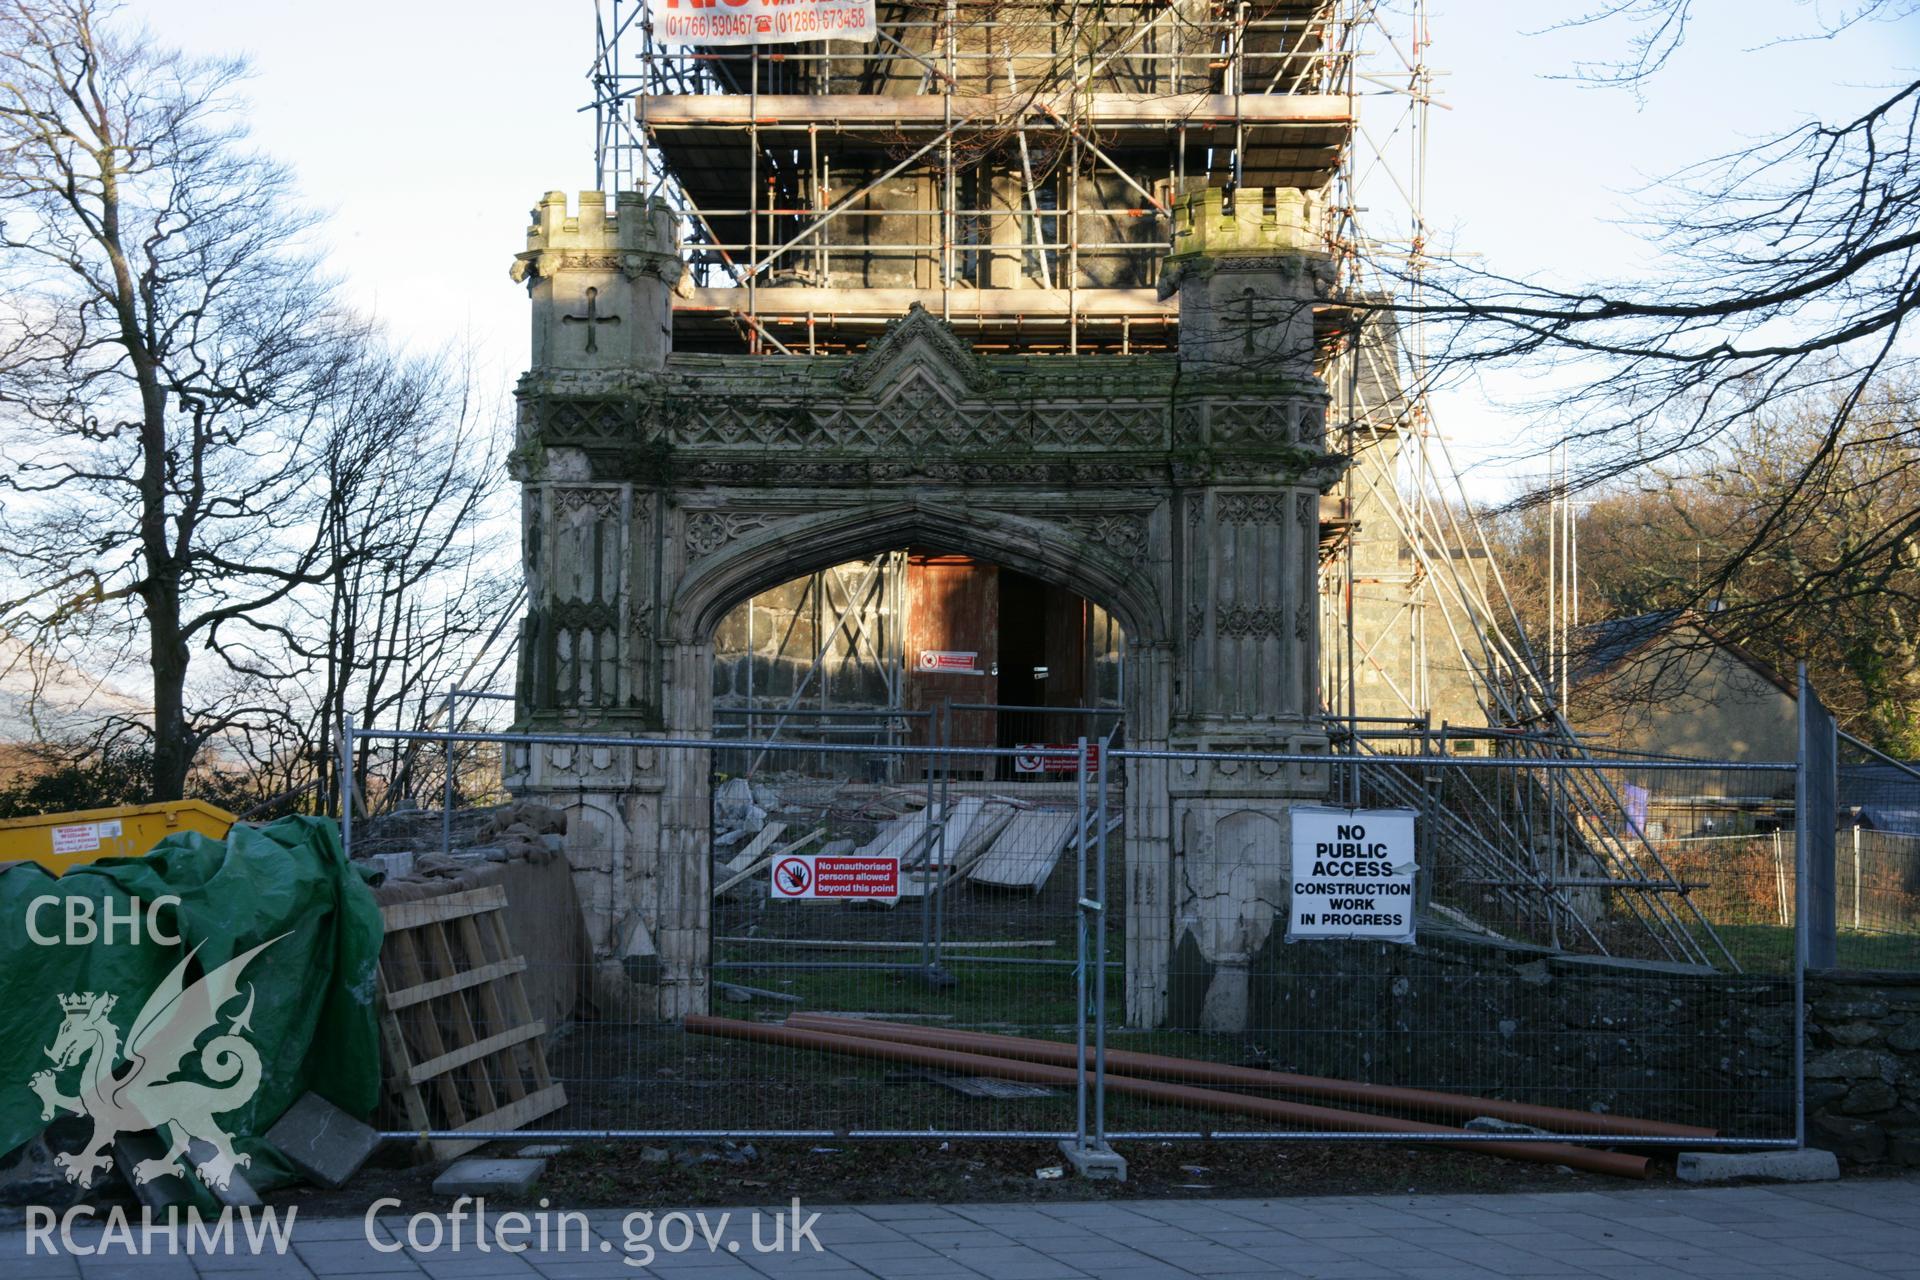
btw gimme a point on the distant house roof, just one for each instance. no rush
(1886, 797)
(1901, 821)
(1602, 647)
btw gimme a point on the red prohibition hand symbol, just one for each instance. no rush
(792, 877)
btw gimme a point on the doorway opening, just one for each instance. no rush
(917, 645)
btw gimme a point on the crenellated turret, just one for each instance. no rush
(1248, 271)
(600, 286)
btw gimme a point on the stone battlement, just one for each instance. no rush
(599, 284)
(1258, 221)
(637, 225)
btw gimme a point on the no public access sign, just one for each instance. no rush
(848, 877)
(1352, 874)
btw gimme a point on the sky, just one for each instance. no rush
(1542, 176)
(428, 129)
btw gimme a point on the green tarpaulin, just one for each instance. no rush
(312, 989)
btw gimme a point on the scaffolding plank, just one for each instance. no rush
(475, 1051)
(1096, 110)
(1027, 851)
(897, 838)
(434, 989)
(1031, 304)
(468, 902)
(751, 854)
(514, 1115)
(964, 813)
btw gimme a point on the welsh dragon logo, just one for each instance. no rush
(144, 1095)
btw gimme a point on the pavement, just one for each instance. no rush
(1816, 1232)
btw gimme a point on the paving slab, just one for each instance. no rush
(324, 1143)
(1802, 1231)
(475, 1176)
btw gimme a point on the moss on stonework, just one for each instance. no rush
(1236, 387)
(527, 462)
(645, 463)
(1199, 461)
(633, 438)
(656, 465)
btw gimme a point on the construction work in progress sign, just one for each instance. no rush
(1352, 874)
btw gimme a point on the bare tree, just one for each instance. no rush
(166, 345)
(1669, 540)
(1788, 274)
(410, 470)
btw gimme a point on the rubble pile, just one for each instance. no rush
(408, 843)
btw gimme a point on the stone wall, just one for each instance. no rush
(1474, 1015)
(1863, 1065)
(765, 647)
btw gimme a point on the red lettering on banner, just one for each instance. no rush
(732, 22)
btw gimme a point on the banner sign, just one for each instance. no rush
(950, 662)
(724, 22)
(805, 876)
(1054, 757)
(1352, 874)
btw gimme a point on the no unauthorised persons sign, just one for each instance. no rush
(1352, 874)
(806, 876)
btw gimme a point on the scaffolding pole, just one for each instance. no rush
(1069, 111)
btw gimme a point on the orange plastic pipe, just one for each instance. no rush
(1192, 1070)
(1297, 1114)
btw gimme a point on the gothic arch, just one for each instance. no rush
(1050, 551)
(1179, 490)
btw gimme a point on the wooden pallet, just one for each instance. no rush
(461, 1043)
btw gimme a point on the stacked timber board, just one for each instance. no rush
(1025, 853)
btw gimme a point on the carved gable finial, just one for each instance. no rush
(917, 338)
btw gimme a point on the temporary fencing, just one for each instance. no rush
(859, 928)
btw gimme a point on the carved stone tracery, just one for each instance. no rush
(1253, 508)
(1123, 534)
(1252, 620)
(708, 531)
(1073, 470)
(603, 500)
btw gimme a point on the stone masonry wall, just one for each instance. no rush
(1633, 1038)
(1500, 1019)
(1863, 1065)
(775, 634)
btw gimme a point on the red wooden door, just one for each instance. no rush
(953, 637)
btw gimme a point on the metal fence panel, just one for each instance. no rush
(1877, 859)
(1818, 816)
(1545, 972)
